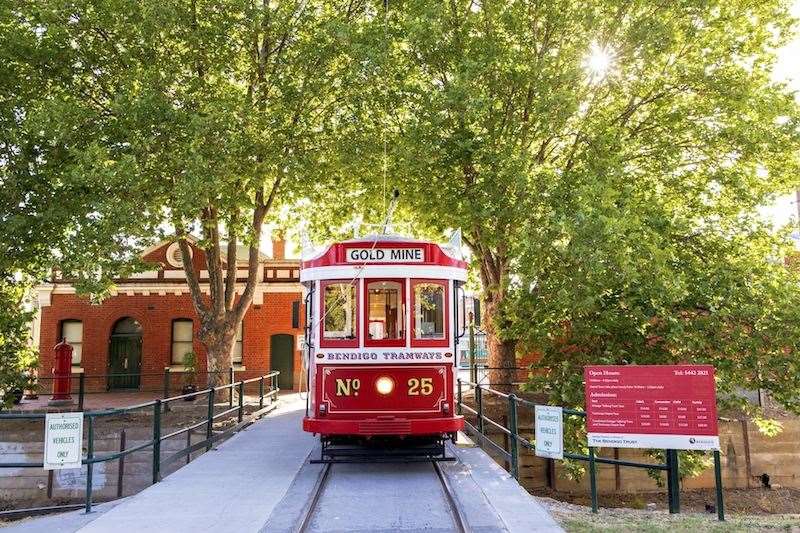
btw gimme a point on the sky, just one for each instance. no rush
(787, 69)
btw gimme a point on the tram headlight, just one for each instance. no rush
(384, 385)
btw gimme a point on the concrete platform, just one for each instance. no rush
(260, 480)
(232, 488)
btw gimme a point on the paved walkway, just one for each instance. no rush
(236, 488)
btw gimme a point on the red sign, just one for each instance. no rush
(658, 406)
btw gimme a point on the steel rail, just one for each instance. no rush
(316, 494)
(459, 519)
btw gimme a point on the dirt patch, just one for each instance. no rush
(579, 519)
(747, 501)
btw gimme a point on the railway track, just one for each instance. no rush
(304, 524)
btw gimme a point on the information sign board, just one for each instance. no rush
(651, 406)
(549, 431)
(63, 438)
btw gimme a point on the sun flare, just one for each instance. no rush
(599, 61)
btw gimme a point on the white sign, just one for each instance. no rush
(667, 442)
(549, 431)
(386, 255)
(63, 440)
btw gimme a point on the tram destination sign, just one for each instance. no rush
(651, 406)
(63, 440)
(386, 255)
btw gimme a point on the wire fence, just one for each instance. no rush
(218, 421)
(513, 440)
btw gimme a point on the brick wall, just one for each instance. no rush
(155, 315)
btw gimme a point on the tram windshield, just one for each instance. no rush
(429, 311)
(385, 300)
(340, 311)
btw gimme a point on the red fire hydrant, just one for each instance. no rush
(62, 374)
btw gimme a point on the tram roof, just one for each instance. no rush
(384, 250)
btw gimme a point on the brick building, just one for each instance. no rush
(149, 323)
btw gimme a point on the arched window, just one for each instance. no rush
(72, 331)
(182, 339)
(127, 326)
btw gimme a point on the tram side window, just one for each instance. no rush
(340, 312)
(385, 304)
(429, 311)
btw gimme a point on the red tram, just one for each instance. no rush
(382, 329)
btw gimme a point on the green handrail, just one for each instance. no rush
(156, 405)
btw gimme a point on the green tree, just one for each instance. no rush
(593, 148)
(16, 354)
(141, 119)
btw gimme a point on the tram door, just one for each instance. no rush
(281, 350)
(125, 355)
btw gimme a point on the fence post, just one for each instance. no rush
(166, 387)
(593, 478)
(473, 370)
(231, 376)
(121, 467)
(261, 392)
(89, 464)
(458, 405)
(81, 390)
(241, 401)
(188, 445)
(512, 427)
(718, 487)
(479, 404)
(673, 482)
(156, 440)
(210, 414)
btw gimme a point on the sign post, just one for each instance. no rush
(549, 431)
(672, 407)
(63, 439)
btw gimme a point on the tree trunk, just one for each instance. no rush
(219, 350)
(494, 265)
(502, 353)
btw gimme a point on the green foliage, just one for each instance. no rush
(767, 426)
(16, 355)
(690, 463)
(190, 368)
(130, 121)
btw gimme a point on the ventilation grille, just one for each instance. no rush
(382, 427)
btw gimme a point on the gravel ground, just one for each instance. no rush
(578, 518)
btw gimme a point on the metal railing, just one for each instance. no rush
(514, 439)
(83, 385)
(267, 391)
(479, 373)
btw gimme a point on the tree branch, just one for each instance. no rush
(230, 281)
(191, 277)
(260, 211)
(210, 225)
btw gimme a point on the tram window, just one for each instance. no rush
(339, 308)
(429, 311)
(385, 311)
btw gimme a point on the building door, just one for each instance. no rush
(281, 355)
(125, 355)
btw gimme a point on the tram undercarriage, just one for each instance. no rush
(384, 449)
